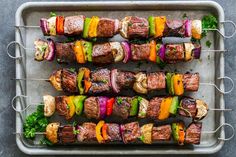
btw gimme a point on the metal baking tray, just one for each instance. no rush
(210, 67)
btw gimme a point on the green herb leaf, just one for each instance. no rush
(52, 14)
(75, 132)
(208, 43)
(119, 100)
(141, 137)
(45, 141)
(208, 22)
(184, 15)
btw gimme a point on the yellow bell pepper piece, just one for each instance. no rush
(98, 131)
(71, 106)
(165, 107)
(93, 27)
(160, 23)
(78, 50)
(178, 84)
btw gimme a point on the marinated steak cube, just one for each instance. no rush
(189, 107)
(113, 131)
(130, 132)
(140, 51)
(193, 133)
(125, 79)
(191, 81)
(87, 132)
(102, 53)
(61, 106)
(100, 81)
(68, 81)
(161, 133)
(156, 81)
(121, 107)
(74, 25)
(66, 134)
(137, 27)
(154, 107)
(174, 52)
(65, 52)
(91, 108)
(174, 28)
(106, 27)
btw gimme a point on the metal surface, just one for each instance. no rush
(210, 67)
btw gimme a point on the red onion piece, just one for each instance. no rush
(80, 136)
(188, 31)
(114, 85)
(51, 54)
(126, 47)
(44, 26)
(197, 51)
(162, 52)
(102, 101)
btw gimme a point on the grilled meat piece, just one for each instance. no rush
(87, 132)
(174, 53)
(65, 52)
(156, 81)
(113, 131)
(61, 106)
(66, 134)
(106, 27)
(121, 107)
(190, 107)
(191, 81)
(174, 28)
(74, 25)
(193, 133)
(100, 81)
(68, 81)
(161, 133)
(137, 27)
(140, 51)
(102, 53)
(154, 107)
(130, 132)
(125, 78)
(55, 80)
(91, 107)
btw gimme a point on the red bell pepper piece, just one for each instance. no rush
(110, 103)
(60, 25)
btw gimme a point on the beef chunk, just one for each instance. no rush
(125, 79)
(188, 104)
(121, 107)
(113, 131)
(68, 81)
(102, 53)
(174, 28)
(156, 81)
(174, 52)
(61, 106)
(193, 133)
(87, 132)
(161, 133)
(91, 107)
(74, 25)
(106, 27)
(138, 27)
(65, 52)
(130, 132)
(66, 134)
(191, 81)
(154, 107)
(140, 51)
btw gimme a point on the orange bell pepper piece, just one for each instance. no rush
(165, 107)
(71, 106)
(78, 50)
(93, 27)
(153, 53)
(178, 84)
(160, 23)
(181, 133)
(87, 82)
(104, 132)
(98, 131)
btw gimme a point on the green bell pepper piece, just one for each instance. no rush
(175, 131)
(151, 21)
(79, 81)
(174, 105)
(169, 84)
(172, 91)
(79, 104)
(134, 107)
(86, 27)
(87, 49)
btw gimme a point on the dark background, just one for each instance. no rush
(8, 147)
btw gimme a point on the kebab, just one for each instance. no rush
(82, 51)
(128, 133)
(122, 107)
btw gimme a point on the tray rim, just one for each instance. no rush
(38, 151)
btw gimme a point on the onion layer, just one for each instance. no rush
(127, 51)
(102, 101)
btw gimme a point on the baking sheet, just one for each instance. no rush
(210, 67)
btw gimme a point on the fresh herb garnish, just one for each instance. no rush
(141, 137)
(52, 14)
(67, 107)
(104, 81)
(42, 48)
(75, 132)
(208, 43)
(45, 141)
(184, 15)
(35, 122)
(208, 22)
(119, 100)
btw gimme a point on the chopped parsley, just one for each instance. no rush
(104, 81)
(42, 48)
(141, 137)
(208, 43)
(75, 132)
(119, 100)
(208, 22)
(184, 15)
(45, 141)
(52, 14)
